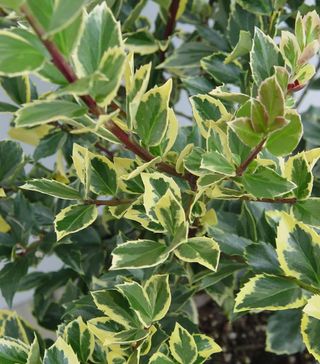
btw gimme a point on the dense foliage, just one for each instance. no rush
(146, 212)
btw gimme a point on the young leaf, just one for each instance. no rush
(243, 128)
(139, 254)
(182, 346)
(74, 218)
(264, 182)
(201, 250)
(264, 56)
(60, 352)
(271, 97)
(269, 292)
(152, 114)
(43, 112)
(52, 188)
(291, 133)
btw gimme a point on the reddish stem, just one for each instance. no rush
(63, 66)
(253, 154)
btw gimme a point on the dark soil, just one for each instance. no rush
(243, 341)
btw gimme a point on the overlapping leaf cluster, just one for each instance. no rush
(145, 213)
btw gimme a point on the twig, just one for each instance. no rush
(173, 10)
(287, 200)
(109, 202)
(253, 154)
(63, 66)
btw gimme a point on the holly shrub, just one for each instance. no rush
(145, 211)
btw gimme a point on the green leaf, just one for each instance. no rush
(262, 257)
(50, 144)
(264, 56)
(207, 110)
(188, 55)
(10, 277)
(111, 67)
(201, 250)
(206, 346)
(13, 4)
(266, 183)
(298, 247)
(34, 355)
(139, 254)
(67, 39)
(291, 133)
(141, 42)
(19, 54)
(74, 218)
(160, 358)
(216, 162)
(110, 333)
(242, 48)
(261, 7)
(170, 213)
(310, 329)
(158, 290)
(308, 211)
(283, 333)
(5, 107)
(11, 157)
(290, 49)
(101, 32)
(80, 339)
(221, 71)
(44, 112)
(13, 351)
(52, 188)
(138, 300)
(55, 15)
(243, 128)
(269, 292)
(298, 171)
(312, 308)
(182, 345)
(103, 177)
(152, 114)
(60, 352)
(116, 307)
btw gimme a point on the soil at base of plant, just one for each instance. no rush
(243, 341)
